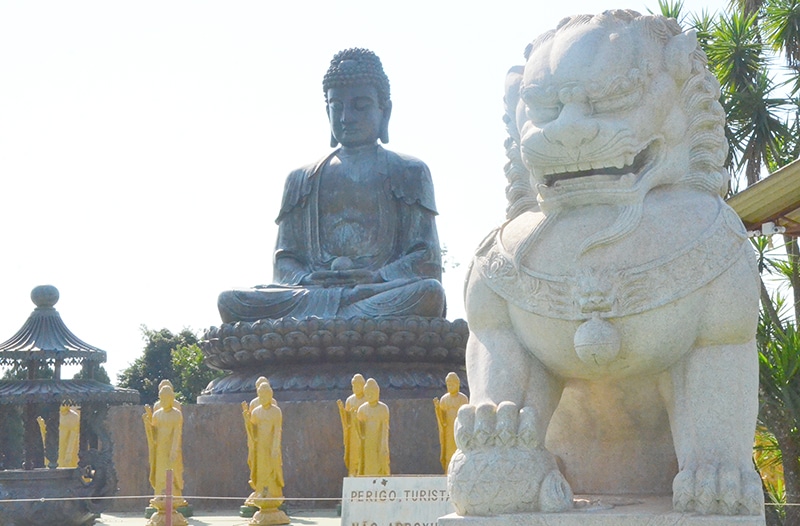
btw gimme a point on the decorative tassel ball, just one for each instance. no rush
(597, 341)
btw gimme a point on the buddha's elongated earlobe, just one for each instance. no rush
(384, 131)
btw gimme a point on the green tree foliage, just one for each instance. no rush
(192, 375)
(779, 383)
(175, 357)
(20, 372)
(100, 374)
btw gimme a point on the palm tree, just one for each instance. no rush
(762, 129)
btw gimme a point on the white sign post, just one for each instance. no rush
(394, 501)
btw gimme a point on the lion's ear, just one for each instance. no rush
(678, 54)
(512, 99)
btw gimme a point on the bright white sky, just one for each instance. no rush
(144, 144)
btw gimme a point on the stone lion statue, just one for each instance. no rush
(613, 316)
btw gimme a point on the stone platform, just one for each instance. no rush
(315, 359)
(609, 511)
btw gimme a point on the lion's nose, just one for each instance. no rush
(573, 128)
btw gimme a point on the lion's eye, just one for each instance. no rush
(541, 104)
(617, 103)
(543, 114)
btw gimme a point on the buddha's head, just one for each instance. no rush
(357, 98)
(358, 385)
(166, 395)
(265, 393)
(372, 392)
(453, 383)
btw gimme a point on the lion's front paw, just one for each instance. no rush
(719, 490)
(501, 465)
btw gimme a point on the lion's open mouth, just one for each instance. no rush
(623, 170)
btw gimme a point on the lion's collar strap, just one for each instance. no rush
(613, 292)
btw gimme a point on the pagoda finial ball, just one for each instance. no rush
(44, 296)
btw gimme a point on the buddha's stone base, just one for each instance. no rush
(294, 383)
(315, 359)
(609, 511)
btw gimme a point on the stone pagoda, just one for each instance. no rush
(37, 353)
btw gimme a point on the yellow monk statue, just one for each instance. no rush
(347, 412)
(176, 404)
(255, 402)
(263, 424)
(43, 432)
(164, 430)
(373, 428)
(446, 411)
(69, 435)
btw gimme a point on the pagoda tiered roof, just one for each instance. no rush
(45, 337)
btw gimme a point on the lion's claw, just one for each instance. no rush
(711, 489)
(501, 456)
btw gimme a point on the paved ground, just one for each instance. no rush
(208, 518)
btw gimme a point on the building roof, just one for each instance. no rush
(44, 336)
(15, 392)
(774, 199)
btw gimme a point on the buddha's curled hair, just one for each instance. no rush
(357, 66)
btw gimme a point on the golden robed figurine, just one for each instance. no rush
(347, 413)
(263, 423)
(164, 430)
(69, 435)
(373, 431)
(446, 411)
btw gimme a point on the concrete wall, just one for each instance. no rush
(215, 451)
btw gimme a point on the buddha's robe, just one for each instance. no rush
(168, 441)
(382, 221)
(374, 422)
(267, 470)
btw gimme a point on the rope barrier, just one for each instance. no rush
(241, 499)
(187, 497)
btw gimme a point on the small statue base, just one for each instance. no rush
(269, 516)
(156, 513)
(247, 511)
(185, 509)
(609, 511)
(160, 519)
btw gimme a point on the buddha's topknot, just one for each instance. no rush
(357, 66)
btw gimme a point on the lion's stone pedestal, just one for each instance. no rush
(653, 511)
